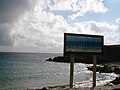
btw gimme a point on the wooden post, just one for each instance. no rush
(71, 70)
(94, 70)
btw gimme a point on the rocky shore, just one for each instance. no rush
(106, 68)
(108, 62)
(110, 54)
(88, 59)
(113, 85)
(109, 68)
(102, 68)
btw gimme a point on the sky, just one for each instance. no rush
(39, 25)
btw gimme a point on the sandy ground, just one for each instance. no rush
(66, 87)
(105, 87)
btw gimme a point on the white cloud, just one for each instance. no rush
(79, 7)
(39, 28)
(109, 31)
(42, 29)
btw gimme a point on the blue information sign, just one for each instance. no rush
(81, 43)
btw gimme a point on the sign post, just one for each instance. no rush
(94, 70)
(76, 44)
(71, 70)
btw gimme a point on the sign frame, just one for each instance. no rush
(82, 35)
(72, 53)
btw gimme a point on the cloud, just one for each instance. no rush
(37, 28)
(6, 37)
(109, 31)
(79, 7)
(10, 11)
(46, 29)
(43, 30)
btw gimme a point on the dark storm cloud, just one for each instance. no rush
(5, 35)
(11, 10)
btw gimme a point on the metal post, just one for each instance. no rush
(71, 70)
(94, 70)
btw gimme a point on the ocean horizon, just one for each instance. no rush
(20, 71)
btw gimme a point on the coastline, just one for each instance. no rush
(66, 87)
(112, 85)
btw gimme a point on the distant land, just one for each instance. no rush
(111, 53)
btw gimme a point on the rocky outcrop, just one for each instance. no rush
(116, 81)
(117, 70)
(110, 54)
(44, 88)
(82, 59)
(105, 69)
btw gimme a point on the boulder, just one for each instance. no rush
(117, 70)
(116, 81)
(49, 59)
(44, 88)
(102, 69)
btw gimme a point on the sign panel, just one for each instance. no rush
(82, 43)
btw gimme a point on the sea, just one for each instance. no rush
(22, 71)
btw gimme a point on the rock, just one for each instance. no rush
(116, 81)
(106, 69)
(109, 84)
(43, 88)
(110, 54)
(117, 70)
(49, 59)
(90, 68)
(59, 59)
(81, 59)
(102, 69)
